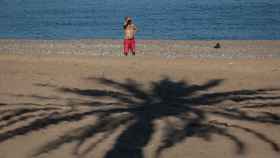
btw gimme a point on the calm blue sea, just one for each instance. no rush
(156, 19)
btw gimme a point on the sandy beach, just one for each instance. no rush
(184, 99)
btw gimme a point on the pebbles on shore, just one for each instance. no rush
(165, 49)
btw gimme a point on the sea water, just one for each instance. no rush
(155, 19)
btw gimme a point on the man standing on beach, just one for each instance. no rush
(129, 36)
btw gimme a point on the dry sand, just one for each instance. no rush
(86, 103)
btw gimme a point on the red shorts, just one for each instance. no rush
(129, 45)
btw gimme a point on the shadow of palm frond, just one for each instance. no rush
(138, 109)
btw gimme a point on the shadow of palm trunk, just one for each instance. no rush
(131, 142)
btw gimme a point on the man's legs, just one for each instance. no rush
(125, 46)
(132, 46)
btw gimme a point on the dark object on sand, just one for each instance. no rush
(217, 46)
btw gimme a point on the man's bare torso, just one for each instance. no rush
(130, 31)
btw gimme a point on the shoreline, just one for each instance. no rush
(230, 49)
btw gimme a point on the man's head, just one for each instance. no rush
(128, 19)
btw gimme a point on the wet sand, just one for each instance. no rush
(72, 99)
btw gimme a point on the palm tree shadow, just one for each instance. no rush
(138, 109)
